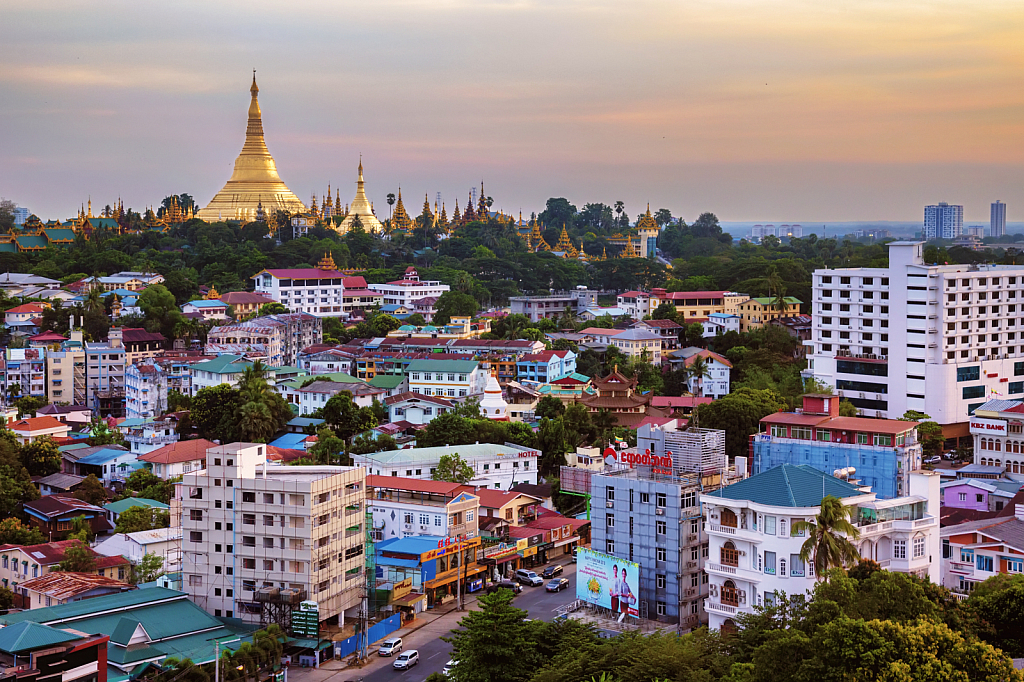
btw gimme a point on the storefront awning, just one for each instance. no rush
(562, 543)
(409, 600)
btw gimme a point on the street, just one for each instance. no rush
(434, 653)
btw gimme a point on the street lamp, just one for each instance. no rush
(216, 656)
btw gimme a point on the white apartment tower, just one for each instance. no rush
(997, 220)
(943, 221)
(259, 536)
(938, 339)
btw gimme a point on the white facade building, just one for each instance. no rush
(409, 289)
(938, 339)
(446, 378)
(406, 507)
(323, 291)
(997, 429)
(252, 531)
(145, 390)
(164, 542)
(494, 466)
(416, 408)
(943, 221)
(754, 551)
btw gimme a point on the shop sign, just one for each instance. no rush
(658, 464)
(522, 544)
(984, 426)
(529, 551)
(500, 551)
(401, 589)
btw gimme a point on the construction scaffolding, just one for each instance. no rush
(697, 451)
(277, 604)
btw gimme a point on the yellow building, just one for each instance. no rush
(699, 304)
(756, 312)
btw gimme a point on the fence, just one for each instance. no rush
(378, 631)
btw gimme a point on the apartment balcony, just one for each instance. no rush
(961, 567)
(734, 533)
(897, 526)
(734, 572)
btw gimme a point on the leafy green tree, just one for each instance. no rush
(549, 407)
(928, 432)
(364, 444)
(273, 308)
(28, 404)
(579, 430)
(177, 401)
(6, 599)
(453, 468)
(448, 429)
(100, 434)
(383, 324)
(552, 441)
(213, 413)
(91, 491)
(78, 558)
(666, 310)
(149, 569)
(847, 409)
(346, 418)
(1000, 604)
(494, 643)
(41, 456)
(328, 447)
(139, 518)
(828, 544)
(14, 532)
(16, 488)
(454, 303)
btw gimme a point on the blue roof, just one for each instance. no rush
(788, 485)
(28, 636)
(306, 421)
(290, 441)
(406, 563)
(103, 456)
(722, 315)
(412, 545)
(391, 307)
(203, 303)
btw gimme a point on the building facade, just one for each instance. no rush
(145, 386)
(317, 291)
(552, 306)
(754, 552)
(997, 429)
(447, 378)
(941, 344)
(407, 507)
(250, 530)
(494, 466)
(997, 220)
(408, 289)
(545, 366)
(943, 221)
(277, 338)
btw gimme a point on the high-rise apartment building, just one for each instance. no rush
(997, 220)
(259, 538)
(938, 339)
(943, 221)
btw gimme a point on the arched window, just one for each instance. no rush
(729, 555)
(729, 518)
(730, 595)
(984, 446)
(999, 446)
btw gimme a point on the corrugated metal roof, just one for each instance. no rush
(788, 485)
(29, 636)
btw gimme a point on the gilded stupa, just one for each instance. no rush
(255, 177)
(362, 208)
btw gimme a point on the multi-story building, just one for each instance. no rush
(26, 370)
(140, 344)
(145, 390)
(416, 408)
(406, 507)
(178, 458)
(997, 429)
(755, 549)
(553, 305)
(716, 383)
(408, 289)
(975, 551)
(719, 323)
(884, 452)
(997, 220)
(637, 304)
(755, 313)
(937, 339)
(65, 372)
(447, 378)
(638, 343)
(699, 304)
(132, 281)
(144, 435)
(257, 536)
(943, 221)
(207, 309)
(545, 366)
(104, 374)
(668, 330)
(494, 466)
(317, 291)
(30, 429)
(24, 562)
(225, 369)
(278, 338)
(245, 303)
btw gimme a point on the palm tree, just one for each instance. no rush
(829, 536)
(698, 369)
(269, 642)
(514, 326)
(253, 385)
(94, 302)
(391, 202)
(182, 670)
(256, 422)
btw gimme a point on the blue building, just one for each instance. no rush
(545, 366)
(433, 568)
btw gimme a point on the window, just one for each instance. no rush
(984, 563)
(248, 497)
(979, 498)
(769, 563)
(882, 440)
(862, 439)
(660, 608)
(1015, 565)
(660, 499)
(796, 566)
(919, 547)
(973, 392)
(610, 520)
(962, 497)
(609, 492)
(824, 435)
(195, 536)
(769, 525)
(968, 373)
(661, 554)
(662, 528)
(609, 546)
(779, 430)
(800, 432)
(195, 515)
(899, 549)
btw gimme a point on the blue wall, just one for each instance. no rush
(378, 631)
(876, 466)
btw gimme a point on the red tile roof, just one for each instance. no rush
(855, 424)
(678, 401)
(549, 521)
(64, 585)
(417, 485)
(50, 553)
(243, 297)
(496, 499)
(661, 324)
(36, 424)
(182, 451)
(409, 395)
(27, 308)
(544, 356)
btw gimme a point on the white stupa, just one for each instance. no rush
(493, 406)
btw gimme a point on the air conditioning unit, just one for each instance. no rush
(690, 591)
(660, 511)
(609, 503)
(742, 597)
(691, 538)
(691, 564)
(713, 590)
(742, 552)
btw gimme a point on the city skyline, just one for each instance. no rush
(796, 113)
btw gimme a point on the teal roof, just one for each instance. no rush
(31, 241)
(386, 380)
(306, 421)
(29, 636)
(442, 366)
(124, 631)
(110, 223)
(59, 233)
(73, 446)
(339, 377)
(788, 485)
(225, 364)
(121, 505)
(8, 247)
(408, 328)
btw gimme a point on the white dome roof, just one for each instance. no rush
(493, 406)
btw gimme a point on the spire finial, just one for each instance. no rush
(255, 89)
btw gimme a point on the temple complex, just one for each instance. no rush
(362, 209)
(400, 219)
(619, 395)
(254, 180)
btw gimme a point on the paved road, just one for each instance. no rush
(434, 653)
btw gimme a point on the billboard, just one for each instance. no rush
(608, 581)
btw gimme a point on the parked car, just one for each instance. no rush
(529, 578)
(551, 571)
(574, 555)
(447, 669)
(934, 459)
(407, 660)
(557, 585)
(390, 647)
(504, 584)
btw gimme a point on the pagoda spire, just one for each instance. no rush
(469, 216)
(456, 217)
(482, 209)
(400, 218)
(430, 218)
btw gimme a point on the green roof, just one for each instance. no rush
(442, 366)
(226, 364)
(788, 485)
(387, 381)
(339, 377)
(59, 233)
(121, 505)
(124, 631)
(29, 636)
(73, 446)
(104, 222)
(33, 241)
(8, 247)
(768, 300)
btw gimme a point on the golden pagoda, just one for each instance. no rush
(427, 217)
(483, 211)
(212, 294)
(443, 220)
(327, 262)
(361, 208)
(400, 220)
(647, 221)
(255, 176)
(456, 217)
(565, 245)
(629, 251)
(469, 216)
(537, 240)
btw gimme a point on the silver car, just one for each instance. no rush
(407, 659)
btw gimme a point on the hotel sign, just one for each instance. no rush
(988, 426)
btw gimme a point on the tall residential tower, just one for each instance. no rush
(997, 221)
(943, 221)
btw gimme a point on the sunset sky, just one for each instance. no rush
(774, 110)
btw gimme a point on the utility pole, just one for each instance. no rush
(216, 657)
